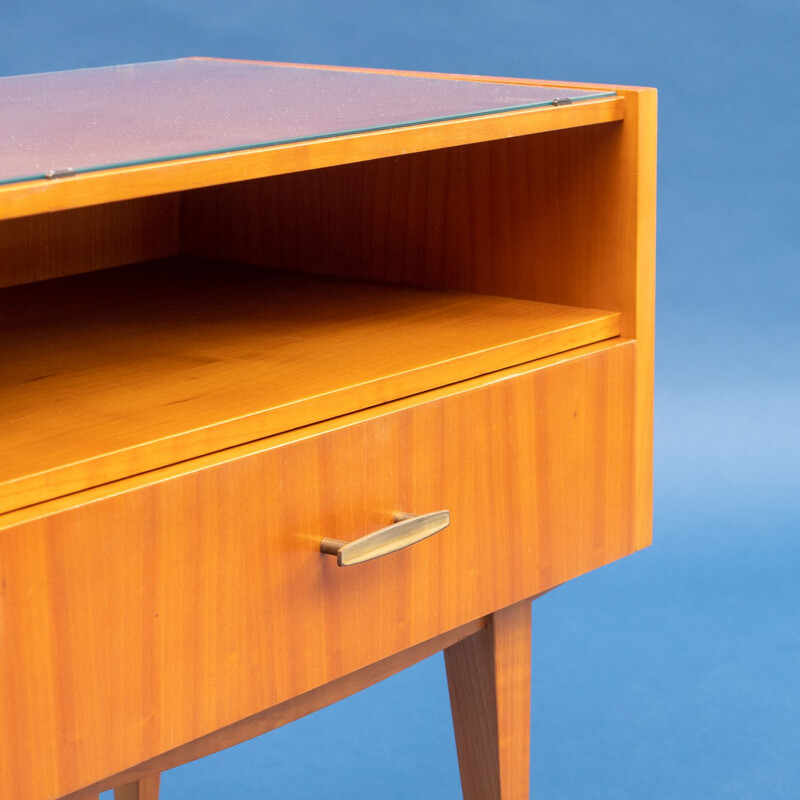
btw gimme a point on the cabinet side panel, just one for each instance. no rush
(645, 238)
(144, 620)
(68, 242)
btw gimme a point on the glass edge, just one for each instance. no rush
(103, 66)
(300, 139)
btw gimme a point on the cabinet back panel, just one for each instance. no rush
(87, 239)
(537, 217)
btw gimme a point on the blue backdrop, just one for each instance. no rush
(675, 673)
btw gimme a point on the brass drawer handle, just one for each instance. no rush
(408, 529)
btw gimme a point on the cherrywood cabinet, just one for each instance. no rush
(220, 352)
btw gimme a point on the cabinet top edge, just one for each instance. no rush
(456, 76)
(264, 118)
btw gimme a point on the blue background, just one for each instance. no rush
(676, 672)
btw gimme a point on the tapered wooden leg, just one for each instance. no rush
(489, 675)
(143, 789)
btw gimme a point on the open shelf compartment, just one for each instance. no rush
(125, 370)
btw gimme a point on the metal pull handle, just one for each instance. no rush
(408, 529)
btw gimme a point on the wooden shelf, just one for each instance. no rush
(126, 370)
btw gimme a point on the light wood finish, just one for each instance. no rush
(112, 185)
(144, 789)
(177, 335)
(639, 176)
(184, 606)
(489, 675)
(534, 217)
(562, 217)
(286, 712)
(57, 505)
(122, 611)
(52, 245)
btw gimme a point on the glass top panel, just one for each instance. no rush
(92, 119)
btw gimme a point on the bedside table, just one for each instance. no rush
(308, 373)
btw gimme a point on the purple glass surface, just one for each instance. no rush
(89, 119)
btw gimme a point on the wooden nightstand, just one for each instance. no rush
(248, 307)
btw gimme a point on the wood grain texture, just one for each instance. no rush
(489, 676)
(286, 712)
(544, 217)
(109, 375)
(52, 245)
(158, 616)
(112, 185)
(640, 170)
(146, 788)
(146, 619)
(563, 217)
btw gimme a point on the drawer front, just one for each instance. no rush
(137, 622)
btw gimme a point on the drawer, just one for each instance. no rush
(141, 616)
